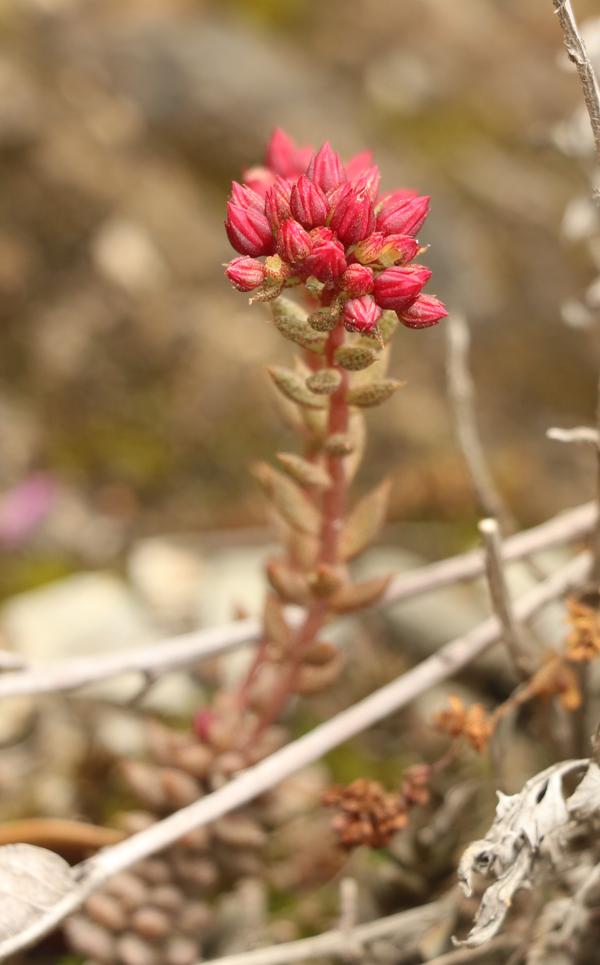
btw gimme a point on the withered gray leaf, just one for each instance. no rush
(526, 826)
(32, 881)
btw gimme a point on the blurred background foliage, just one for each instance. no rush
(132, 381)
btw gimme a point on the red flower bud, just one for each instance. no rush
(293, 242)
(321, 234)
(357, 164)
(402, 215)
(326, 261)
(308, 203)
(281, 154)
(398, 287)
(426, 310)
(357, 280)
(245, 197)
(258, 179)
(325, 169)
(387, 249)
(368, 180)
(361, 314)
(353, 217)
(245, 273)
(248, 230)
(277, 202)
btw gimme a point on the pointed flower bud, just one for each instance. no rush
(277, 202)
(361, 314)
(326, 261)
(386, 249)
(325, 169)
(402, 215)
(425, 311)
(245, 273)
(321, 234)
(281, 153)
(353, 216)
(357, 164)
(357, 280)
(308, 203)
(368, 180)
(248, 230)
(398, 287)
(293, 242)
(246, 198)
(259, 179)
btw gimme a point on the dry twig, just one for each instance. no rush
(512, 634)
(293, 757)
(462, 397)
(182, 651)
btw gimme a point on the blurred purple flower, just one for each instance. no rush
(25, 506)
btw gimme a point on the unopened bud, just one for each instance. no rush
(353, 216)
(293, 242)
(357, 280)
(402, 215)
(308, 203)
(245, 273)
(425, 311)
(397, 287)
(326, 261)
(277, 203)
(325, 169)
(248, 230)
(361, 314)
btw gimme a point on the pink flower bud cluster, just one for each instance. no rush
(312, 217)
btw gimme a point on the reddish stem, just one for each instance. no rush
(332, 508)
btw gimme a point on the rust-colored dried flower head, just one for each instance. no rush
(583, 615)
(472, 723)
(330, 228)
(367, 813)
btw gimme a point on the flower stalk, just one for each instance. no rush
(309, 222)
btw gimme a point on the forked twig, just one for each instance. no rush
(293, 757)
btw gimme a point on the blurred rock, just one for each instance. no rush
(168, 575)
(126, 255)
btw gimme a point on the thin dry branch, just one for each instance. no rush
(578, 54)
(512, 634)
(581, 434)
(407, 926)
(182, 651)
(462, 398)
(293, 757)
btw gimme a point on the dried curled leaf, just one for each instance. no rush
(32, 881)
(288, 499)
(526, 828)
(365, 520)
(293, 387)
(356, 596)
(305, 472)
(374, 393)
(291, 321)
